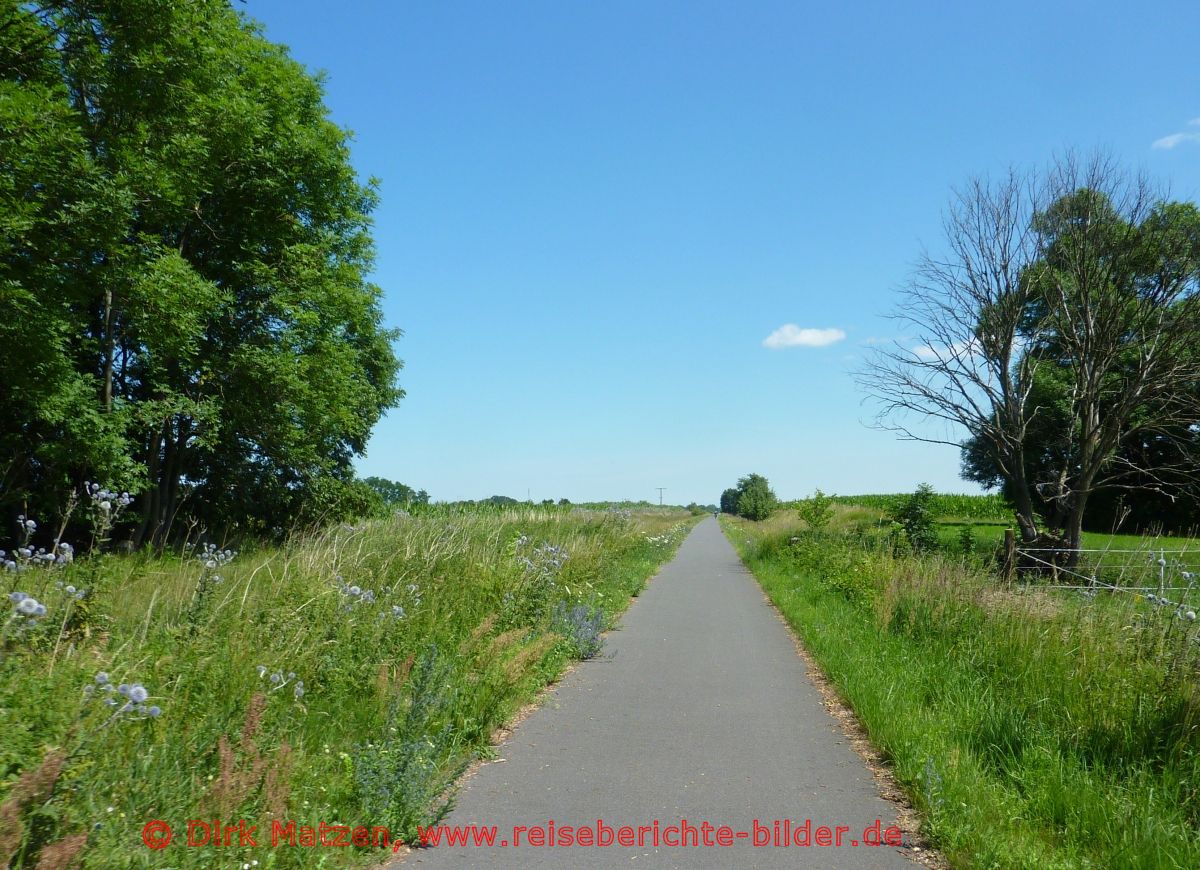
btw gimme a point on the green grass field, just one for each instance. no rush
(348, 676)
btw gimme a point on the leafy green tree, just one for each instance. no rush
(729, 501)
(756, 501)
(183, 257)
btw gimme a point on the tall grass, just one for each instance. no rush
(345, 678)
(1033, 728)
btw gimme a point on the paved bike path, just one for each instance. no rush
(700, 710)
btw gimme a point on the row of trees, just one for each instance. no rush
(184, 309)
(752, 498)
(1060, 328)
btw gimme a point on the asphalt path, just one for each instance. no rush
(699, 710)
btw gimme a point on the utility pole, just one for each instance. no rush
(660, 492)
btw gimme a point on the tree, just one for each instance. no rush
(396, 495)
(1057, 328)
(729, 501)
(183, 249)
(756, 501)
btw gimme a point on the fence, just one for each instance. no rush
(1152, 572)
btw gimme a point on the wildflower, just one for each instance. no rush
(28, 606)
(262, 669)
(138, 693)
(17, 597)
(102, 678)
(154, 711)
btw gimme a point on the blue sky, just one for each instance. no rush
(594, 214)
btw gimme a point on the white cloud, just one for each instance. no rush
(1195, 122)
(791, 335)
(1166, 143)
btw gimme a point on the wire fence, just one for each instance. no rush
(1148, 572)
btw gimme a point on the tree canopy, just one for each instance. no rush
(1059, 329)
(184, 251)
(752, 498)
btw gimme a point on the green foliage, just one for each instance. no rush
(729, 501)
(402, 776)
(917, 517)
(397, 495)
(966, 540)
(816, 511)
(752, 499)
(183, 257)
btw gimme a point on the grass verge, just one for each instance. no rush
(1032, 729)
(347, 678)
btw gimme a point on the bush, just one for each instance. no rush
(917, 517)
(816, 511)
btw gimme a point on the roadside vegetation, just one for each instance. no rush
(1031, 726)
(346, 677)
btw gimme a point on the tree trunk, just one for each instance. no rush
(149, 501)
(108, 350)
(1023, 504)
(1073, 531)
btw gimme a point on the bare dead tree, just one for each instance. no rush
(1083, 268)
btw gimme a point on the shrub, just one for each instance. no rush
(917, 517)
(816, 511)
